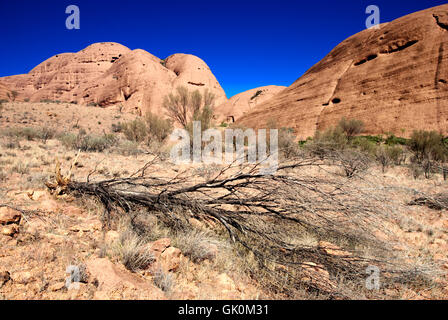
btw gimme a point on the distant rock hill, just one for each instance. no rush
(106, 74)
(394, 78)
(245, 102)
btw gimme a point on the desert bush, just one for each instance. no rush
(366, 146)
(87, 143)
(158, 128)
(428, 145)
(397, 154)
(198, 245)
(351, 127)
(326, 142)
(46, 134)
(428, 148)
(382, 156)
(415, 170)
(163, 280)
(185, 107)
(150, 129)
(12, 143)
(21, 168)
(388, 155)
(30, 134)
(133, 251)
(135, 130)
(353, 162)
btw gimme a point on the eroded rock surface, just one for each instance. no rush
(394, 78)
(109, 73)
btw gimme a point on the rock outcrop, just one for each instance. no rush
(394, 78)
(106, 74)
(245, 102)
(5, 93)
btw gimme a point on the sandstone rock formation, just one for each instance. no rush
(106, 74)
(245, 102)
(5, 93)
(394, 78)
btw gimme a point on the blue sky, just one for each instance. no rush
(246, 43)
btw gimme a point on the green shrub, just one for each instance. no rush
(396, 154)
(135, 130)
(393, 140)
(373, 139)
(325, 143)
(428, 145)
(428, 148)
(351, 127)
(365, 145)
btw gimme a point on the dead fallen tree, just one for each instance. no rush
(437, 202)
(269, 216)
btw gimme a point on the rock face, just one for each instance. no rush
(244, 103)
(108, 74)
(394, 78)
(5, 93)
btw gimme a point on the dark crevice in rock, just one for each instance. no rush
(443, 81)
(127, 96)
(439, 64)
(196, 84)
(369, 58)
(441, 24)
(399, 46)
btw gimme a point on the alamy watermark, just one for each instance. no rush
(74, 278)
(73, 21)
(240, 147)
(373, 280)
(373, 20)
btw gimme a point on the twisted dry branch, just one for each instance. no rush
(269, 216)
